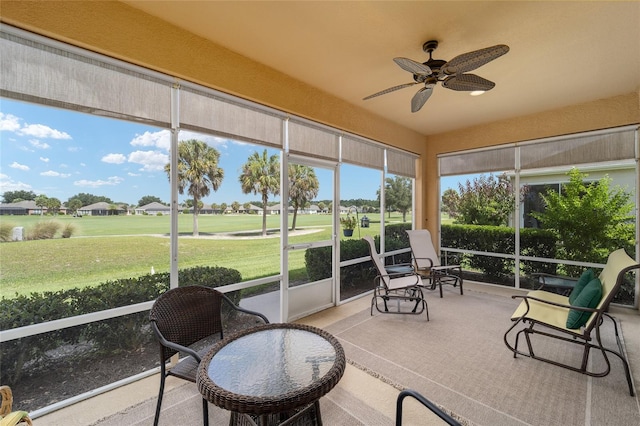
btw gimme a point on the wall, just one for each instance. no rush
(605, 113)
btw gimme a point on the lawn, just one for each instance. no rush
(113, 247)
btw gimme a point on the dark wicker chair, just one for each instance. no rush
(189, 320)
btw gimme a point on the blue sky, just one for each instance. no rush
(61, 153)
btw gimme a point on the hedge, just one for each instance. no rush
(318, 260)
(500, 239)
(110, 336)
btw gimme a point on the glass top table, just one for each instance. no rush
(273, 368)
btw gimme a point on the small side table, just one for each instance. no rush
(272, 374)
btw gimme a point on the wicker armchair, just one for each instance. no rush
(189, 320)
(8, 417)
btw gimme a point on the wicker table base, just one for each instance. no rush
(307, 416)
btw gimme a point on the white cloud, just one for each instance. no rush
(45, 159)
(19, 166)
(151, 160)
(111, 181)
(8, 184)
(9, 123)
(40, 145)
(42, 131)
(133, 174)
(51, 173)
(114, 158)
(210, 140)
(160, 139)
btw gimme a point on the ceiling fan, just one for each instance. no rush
(451, 74)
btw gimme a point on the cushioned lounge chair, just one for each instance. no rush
(396, 293)
(427, 262)
(189, 320)
(574, 319)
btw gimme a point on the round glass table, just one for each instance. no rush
(272, 374)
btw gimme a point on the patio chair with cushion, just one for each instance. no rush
(574, 318)
(402, 288)
(427, 263)
(189, 320)
(7, 416)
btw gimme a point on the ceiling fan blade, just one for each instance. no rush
(389, 90)
(467, 82)
(420, 98)
(413, 66)
(472, 60)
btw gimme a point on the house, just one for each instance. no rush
(20, 208)
(102, 209)
(153, 209)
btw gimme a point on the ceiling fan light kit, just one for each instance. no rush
(452, 74)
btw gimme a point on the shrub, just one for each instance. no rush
(68, 230)
(45, 230)
(500, 239)
(109, 336)
(6, 231)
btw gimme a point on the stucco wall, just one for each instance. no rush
(606, 113)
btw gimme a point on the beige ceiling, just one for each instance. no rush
(561, 53)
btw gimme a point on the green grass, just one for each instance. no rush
(109, 248)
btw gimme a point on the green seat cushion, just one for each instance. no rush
(589, 297)
(586, 277)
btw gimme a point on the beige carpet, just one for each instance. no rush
(459, 361)
(183, 406)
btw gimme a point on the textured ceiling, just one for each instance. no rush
(562, 53)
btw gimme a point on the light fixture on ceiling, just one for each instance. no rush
(477, 92)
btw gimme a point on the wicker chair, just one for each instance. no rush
(8, 417)
(189, 320)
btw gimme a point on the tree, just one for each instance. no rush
(486, 200)
(450, 201)
(590, 219)
(235, 206)
(87, 199)
(223, 207)
(41, 201)
(322, 206)
(303, 187)
(74, 205)
(15, 196)
(261, 175)
(198, 172)
(398, 195)
(53, 205)
(148, 199)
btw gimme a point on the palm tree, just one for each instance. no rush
(261, 175)
(198, 171)
(303, 187)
